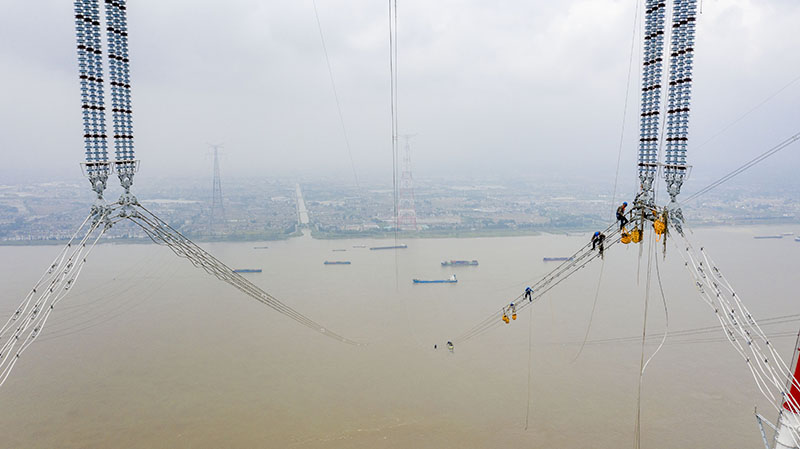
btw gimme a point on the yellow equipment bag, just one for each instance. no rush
(636, 236)
(659, 226)
(505, 318)
(626, 238)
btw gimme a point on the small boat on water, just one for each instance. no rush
(359, 246)
(767, 236)
(451, 280)
(339, 249)
(247, 270)
(556, 259)
(337, 262)
(260, 247)
(403, 246)
(455, 263)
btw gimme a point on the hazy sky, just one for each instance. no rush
(508, 88)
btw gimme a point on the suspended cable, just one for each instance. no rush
(744, 167)
(616, 173)
(750, 111)
(625, 105)
(765, 363)
(666, 317)
(530, 361)
(591, 314)
(574, 263)
(783, 319)
(638, 428)
(160, 232)
(27, 322)
(395, 132)
(336, 96)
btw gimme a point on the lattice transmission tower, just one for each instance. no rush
(216, 215)
(406, 210)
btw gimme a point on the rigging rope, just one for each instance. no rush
(744, 167)
(750, 111)
(395, 131)
(336, 96)
(530, 361)
(637, 435)
(616, 173)
(625, 105)
(591, 315)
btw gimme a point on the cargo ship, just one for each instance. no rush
(247, 270)
(260, 247)
(556, 259)
(403, 246)
(451, 280)
(337, 262)
(455, 263)
(338, 249)
(767, 236)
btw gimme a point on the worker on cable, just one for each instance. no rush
(621, 215)
(597, 241)
(528, 292)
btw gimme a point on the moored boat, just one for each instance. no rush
(451, 280)
(452, 263)
(402, 246)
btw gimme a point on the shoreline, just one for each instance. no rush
(436, 234)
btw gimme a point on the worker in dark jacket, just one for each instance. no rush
(597, 241)
(621, 215)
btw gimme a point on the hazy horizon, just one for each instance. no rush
(518, 89)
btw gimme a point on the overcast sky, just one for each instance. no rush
(507, 88)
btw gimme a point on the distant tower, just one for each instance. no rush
(216, 219)
(406, 212)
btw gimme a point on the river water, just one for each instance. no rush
(150, 352)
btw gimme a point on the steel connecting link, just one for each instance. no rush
(29, 318)
(652, 74)
(119, 80)
(766, 365)
(160, 232)
(90, 67)
(679, 97)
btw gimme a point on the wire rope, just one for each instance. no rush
(744, 167)
(750, 111)
(336, 96)
(530, 361)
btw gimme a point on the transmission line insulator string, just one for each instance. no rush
(652, 78)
